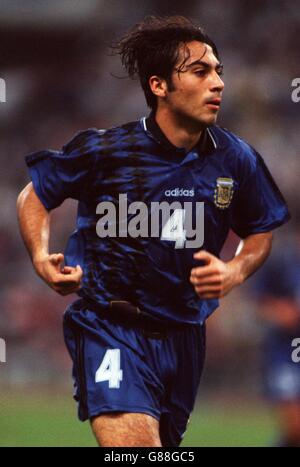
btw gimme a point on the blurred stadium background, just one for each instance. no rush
(55, 60)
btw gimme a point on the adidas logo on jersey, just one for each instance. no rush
(180, 192)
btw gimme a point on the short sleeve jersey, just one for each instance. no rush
(222, 173)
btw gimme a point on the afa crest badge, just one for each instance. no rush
(223, 192)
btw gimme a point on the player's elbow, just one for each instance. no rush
(266, 240)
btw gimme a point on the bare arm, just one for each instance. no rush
(34, 222)
(216, 278)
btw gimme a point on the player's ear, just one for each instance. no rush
(158, 86)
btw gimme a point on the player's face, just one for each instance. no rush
(197, 87)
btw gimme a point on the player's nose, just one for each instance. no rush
(217, 84)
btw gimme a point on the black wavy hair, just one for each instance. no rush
(151, 47)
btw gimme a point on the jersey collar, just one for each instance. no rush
(206, 145)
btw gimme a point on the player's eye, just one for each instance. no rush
(200, 72)
(220, 71)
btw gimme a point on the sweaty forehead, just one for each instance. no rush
(192, 51)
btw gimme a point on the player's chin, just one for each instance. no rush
(207, 120)
(210, 119)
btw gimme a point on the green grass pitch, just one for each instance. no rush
(49, 419)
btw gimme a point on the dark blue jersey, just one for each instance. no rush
(135, 159)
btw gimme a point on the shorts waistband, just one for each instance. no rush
(128, 315)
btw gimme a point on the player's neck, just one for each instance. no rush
(177, 131)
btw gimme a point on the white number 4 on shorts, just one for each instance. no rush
(110, 370)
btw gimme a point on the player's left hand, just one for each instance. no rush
(215, 279)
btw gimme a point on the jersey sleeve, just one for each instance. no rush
(58, 175)
(260, 206)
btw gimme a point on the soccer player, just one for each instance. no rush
(137, 334)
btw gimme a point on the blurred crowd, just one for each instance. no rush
(61, 77)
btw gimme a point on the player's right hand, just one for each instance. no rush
(63, 279)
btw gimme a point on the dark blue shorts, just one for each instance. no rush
(119, 368)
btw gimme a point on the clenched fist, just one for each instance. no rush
(215, 279)
(64, 280)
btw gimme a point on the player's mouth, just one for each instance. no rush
(214, 103)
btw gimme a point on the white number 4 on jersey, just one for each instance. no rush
(109, 369)
(173, 230)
